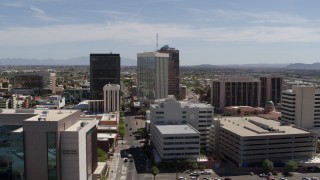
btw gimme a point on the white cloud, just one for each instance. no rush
(250, 17)
(142, 33)
(13, 3)
(42, 15)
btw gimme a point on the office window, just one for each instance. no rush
(52, 155)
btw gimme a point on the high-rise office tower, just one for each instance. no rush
(301, 106)
(235, 91)
(152, 72)
(104, 69)
(111, 95)
(173, 70)
(271, 89)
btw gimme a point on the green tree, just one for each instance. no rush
(143, 133)
(5, 84)
(154, 171)
(291, 166)
(121, 127)
(267, 165)
(239, 111)
(102, 156)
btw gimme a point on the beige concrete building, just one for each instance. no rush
(47, 144)
(183, 91)
(53, 83)
(247, 141)
(235, 91)
(111, 97)
(95, 106)
(301, 106)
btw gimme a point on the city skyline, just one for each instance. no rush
(210, 32)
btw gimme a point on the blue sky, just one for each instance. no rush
(205, 32)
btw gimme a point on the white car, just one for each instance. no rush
(182, 178)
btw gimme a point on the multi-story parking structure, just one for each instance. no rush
(247, 141)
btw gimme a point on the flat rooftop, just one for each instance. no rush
(236, 79)
(181, 104)
(110, 117)
(78, 125)
(199, 105)
(51, 115)
(35, 114)
(257, 126)
(177, 129)
(105, 136)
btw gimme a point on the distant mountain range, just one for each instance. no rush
(84, 60)
(53, 62)
(298, 66)
(243, 66)
(314, 66)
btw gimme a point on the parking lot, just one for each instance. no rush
(296, 176)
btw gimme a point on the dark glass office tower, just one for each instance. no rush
(104, 69)
(271, 89)
(173, 70)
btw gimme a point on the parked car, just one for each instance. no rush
(305, 178)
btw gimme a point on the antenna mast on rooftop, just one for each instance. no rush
(157, 42)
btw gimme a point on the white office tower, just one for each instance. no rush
(179, 129)
(152, 72)
(53, 80)
(301, 106)
(111, 97)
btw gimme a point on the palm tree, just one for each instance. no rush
(154, 171)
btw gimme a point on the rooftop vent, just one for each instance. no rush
(83, 124)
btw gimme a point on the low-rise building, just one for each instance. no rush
(53, 102)
(176, 141)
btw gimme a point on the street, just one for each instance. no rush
(137, 169)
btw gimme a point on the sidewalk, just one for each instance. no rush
(113, 166)
(114, 163)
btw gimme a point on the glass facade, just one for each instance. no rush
(52, 156)
(92, 156)
(152, 73)
(11, 152)
(104, 69)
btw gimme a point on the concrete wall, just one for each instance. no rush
(71, 148)
(305, 102)
(36, 154)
